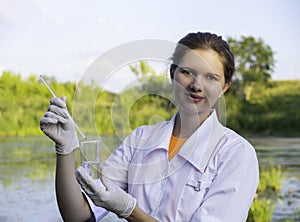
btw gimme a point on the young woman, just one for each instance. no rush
(190, 168)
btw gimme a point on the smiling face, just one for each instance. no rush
(198, 81)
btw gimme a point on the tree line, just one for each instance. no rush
(271, 110)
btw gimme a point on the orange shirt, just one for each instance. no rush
(175, 145)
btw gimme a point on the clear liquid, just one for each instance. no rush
(93, 168)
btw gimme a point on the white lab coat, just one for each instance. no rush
(213, 177)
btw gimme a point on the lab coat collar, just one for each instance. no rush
(199, 148)
(201, 145)
(161, 135)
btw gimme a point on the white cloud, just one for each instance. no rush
(121, 28)
(61, 16)
(102, 21)
(7, 15)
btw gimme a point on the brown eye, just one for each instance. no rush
(187, 72)
(184, 71)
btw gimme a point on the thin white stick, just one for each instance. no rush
(65, 109)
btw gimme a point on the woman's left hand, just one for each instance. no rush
(112, 197)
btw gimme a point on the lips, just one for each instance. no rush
(195, 97)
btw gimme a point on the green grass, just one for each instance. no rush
(269, 180)
(261, 210)
(266, 196)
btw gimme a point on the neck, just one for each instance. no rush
(186, 123)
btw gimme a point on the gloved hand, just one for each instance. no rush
(112, 197)
(58, 127)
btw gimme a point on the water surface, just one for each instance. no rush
(27, 167)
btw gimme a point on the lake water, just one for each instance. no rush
(27, 167)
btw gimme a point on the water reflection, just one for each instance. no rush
(26, 180)
(287, 157)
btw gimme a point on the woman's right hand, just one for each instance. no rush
(58, 127)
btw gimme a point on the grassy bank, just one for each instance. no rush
(270, 111)
(267, 195)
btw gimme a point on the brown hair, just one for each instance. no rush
(205, 40)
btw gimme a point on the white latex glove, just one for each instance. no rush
(112, 197)
(58, 127)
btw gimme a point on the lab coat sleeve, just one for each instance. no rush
(230, 196)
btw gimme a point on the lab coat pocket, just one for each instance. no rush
(193, 193)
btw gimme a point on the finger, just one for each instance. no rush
(54, 116)
(57, 110)
(104, 179)
(58, 102)
(64, 99)
(46, 120)
(86, 181)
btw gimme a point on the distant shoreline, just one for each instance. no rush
(273, 140)
(257, 140)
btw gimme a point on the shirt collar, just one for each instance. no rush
(160, 134)
(200, 146)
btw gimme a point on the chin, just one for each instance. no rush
(194, 110)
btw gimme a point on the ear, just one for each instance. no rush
(226, 87)
(172, 71)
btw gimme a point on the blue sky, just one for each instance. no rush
(62, 38)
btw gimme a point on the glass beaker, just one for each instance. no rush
(90, 157)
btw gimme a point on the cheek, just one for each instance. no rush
(181, 82)
(177, 89)
(214, 88)
(213, 92)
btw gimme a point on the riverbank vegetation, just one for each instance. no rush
(272, 110)
(267, 195)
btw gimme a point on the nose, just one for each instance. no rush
(196, 85)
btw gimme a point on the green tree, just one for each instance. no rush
(156, 84)
(142, 69)
(254, 62)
